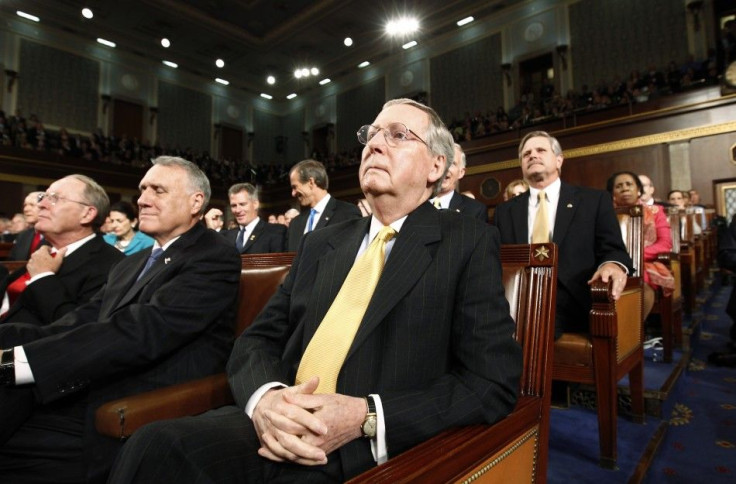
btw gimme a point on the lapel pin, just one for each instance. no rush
(252, 237)
(569, 205)
(167, 260)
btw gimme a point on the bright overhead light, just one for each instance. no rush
(464, 21)
(402, 26)
(220, 63)
(166, 43)
(409, 45)
(305, 72)
(271, 80)
(106, 42)
(363, 64)
(87, 13)
(314, 71)
(298, 73)
(348, 41)
(28, 16)
(222, 81)
(291, 96)
(171, 64)
(325, 81)
(266, 96)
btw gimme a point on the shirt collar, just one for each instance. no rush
(376, 226)
(322, 204)
(552, 191)
(75, 245)
(251, 225)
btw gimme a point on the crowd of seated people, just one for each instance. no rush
(545, 104)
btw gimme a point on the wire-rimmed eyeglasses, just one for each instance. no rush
(54, 198)
(394, 133)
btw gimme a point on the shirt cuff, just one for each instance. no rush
(23, 373)
(378, 445)
(625, 269)
(250, 406)
(39, 276)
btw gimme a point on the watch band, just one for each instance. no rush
(371, 403)
(7, 367)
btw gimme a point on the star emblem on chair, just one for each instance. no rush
(541, 253)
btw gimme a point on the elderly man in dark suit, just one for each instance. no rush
(449, 199)
(27, 241)
(73, 266)
(253, 235)
(581, 221)
(430, 348)
(165, 316)
(309, 183)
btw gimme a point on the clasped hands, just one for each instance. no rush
(613, 271)
(42, 261)
(296, 425)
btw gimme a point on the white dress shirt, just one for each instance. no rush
(318, 211)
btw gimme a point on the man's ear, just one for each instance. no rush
(438, 170)
(197, 199)
(89, 215)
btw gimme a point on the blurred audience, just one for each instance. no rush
(515, 188)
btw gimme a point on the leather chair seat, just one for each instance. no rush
(574, 349)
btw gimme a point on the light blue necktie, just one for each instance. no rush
(155, 254)
(310, 222)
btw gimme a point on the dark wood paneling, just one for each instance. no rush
(710, 160)
(127, 119)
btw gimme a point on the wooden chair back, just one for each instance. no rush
(260, 276)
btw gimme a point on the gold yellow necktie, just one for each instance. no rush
(329, 346)
(540, 231)
(437, 203)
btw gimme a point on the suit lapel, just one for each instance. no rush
(324, 219)
(520, 218)
(257, 231)
(566, 207)
(456, 202)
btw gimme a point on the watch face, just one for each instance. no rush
(369, 426)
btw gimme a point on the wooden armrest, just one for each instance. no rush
(605, 323)
(502, 452)
(120, 418)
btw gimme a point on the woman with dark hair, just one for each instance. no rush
(626, 188)
(124, 236)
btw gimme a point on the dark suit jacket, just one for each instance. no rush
(468, 206)
(435, 343)
(336, 211)
(173, 325)
(81, 275)
(21, 249)
(266, 238)
(587, 233)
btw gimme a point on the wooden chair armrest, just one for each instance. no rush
(503, 452)
(604, 322)
(120, 418)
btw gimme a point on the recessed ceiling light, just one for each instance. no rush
(166, 43)
(464, 21)
(271, 80)
(266, 96)
(402, 26)
(409, 45)
(291, 96)
(314, 71)
(222, 81)
(363, 64)
(171, 64)
(298, 73)
(348, 41)
(305, 72)
(106, 42)
(28, 16)
(87, 13)
(325, 81)
(220, 63)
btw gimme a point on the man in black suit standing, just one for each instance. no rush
(27, 241)
(309, 185)
(431, 348)
(253, 235)
(581, 221)
(165, 316)
(448, 198)
(73, 266)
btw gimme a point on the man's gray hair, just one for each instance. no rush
(556, 147)
(197, 181)
(96, 196)
(438, 138)
(248, 188)
(463, 161)
(307, 169)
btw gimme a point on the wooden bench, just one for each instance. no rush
(514, 449)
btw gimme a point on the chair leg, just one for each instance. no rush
(607, 401)
(636, 386)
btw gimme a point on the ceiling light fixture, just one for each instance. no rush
(266, 96)
(464, 21)
(325, 81)
(171, 64)
(165, 43)
(348, 41)
(306, 72)
(291, 96)
(222, 81)
(87, 13)
(402, 26)
(220, 63)
(271, 80)
(28, 16)
(106, 42)
(409, 45)
(363, 64)
(314, 71)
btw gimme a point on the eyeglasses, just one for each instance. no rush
(394, 133)
(54, 198)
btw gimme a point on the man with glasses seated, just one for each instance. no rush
(388, 330)
(72, 266)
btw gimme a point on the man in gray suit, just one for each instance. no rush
(309, 183)
(434, 348)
